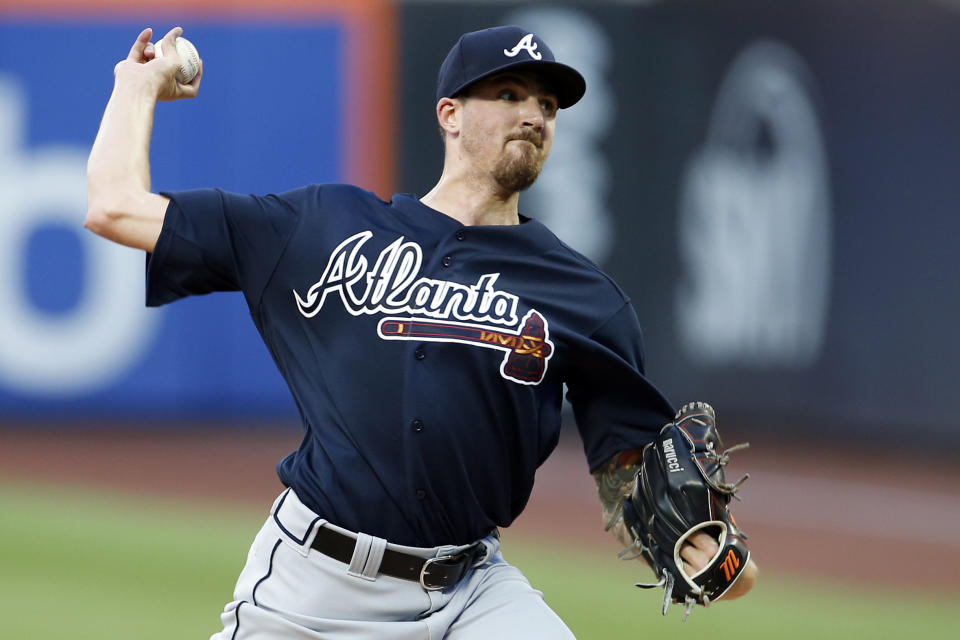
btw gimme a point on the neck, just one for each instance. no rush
(472, 202)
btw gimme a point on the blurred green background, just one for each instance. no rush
(86, 564)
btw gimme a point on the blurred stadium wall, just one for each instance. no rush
(770, 182)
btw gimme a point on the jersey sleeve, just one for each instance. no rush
(616, 408)
(213, 240)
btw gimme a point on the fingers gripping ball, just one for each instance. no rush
(189, 59)
(680, 490)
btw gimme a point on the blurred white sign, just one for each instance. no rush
(755, 222)
(100, 337)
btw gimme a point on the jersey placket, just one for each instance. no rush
(420, 387)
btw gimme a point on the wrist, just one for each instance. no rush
(130, 82)
(745, 583)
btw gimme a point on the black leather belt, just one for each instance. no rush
(433, 574)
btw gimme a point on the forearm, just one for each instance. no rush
(120, 204)
(745, 583)
(614, 482)
(120, 157)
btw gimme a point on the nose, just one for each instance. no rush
(532, 114)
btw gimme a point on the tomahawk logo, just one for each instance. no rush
(527, 350)
(439, 310)
(526, 44)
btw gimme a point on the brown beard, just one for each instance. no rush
(518, 171)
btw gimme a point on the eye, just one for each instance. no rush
(507, 94)
(549, 106)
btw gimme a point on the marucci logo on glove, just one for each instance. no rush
(476, 314)
(730, 565)
(670, 453)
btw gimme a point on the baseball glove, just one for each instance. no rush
(680, 489)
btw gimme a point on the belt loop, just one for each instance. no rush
(359, 560)
(491, 545)
(375, 556)
(448, 550)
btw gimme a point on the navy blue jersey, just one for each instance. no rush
(426, 358)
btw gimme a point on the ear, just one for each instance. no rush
(449, 114)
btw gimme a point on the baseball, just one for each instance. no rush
(189, 58)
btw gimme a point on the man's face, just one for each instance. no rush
(507, 128)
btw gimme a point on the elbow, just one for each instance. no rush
(98, 209)
(100, 219)
(97, 221)
(125, 217)
(107, 199)
(105, 207)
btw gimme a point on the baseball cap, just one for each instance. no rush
(479, 54)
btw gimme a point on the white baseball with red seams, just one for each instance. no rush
(189, 59)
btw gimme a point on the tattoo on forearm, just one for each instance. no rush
(614, 482)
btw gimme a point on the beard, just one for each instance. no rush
(518, 165)
(517, 169)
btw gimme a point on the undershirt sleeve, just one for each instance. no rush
(616, 408)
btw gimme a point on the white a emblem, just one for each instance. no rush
(527, 43)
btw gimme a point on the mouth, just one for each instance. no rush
(536, 142)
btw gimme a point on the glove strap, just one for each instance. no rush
(726, 568)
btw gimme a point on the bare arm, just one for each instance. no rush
(615, 482)
(120, 205)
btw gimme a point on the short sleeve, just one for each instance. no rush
(616, 408)
(217, 241)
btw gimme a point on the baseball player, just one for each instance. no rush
(426, 342)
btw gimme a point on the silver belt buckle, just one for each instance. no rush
(423, 572)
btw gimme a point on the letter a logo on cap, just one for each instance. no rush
(527, 43)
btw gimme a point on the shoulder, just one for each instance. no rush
(583, 268)
(330, 195)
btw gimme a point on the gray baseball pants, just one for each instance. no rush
(287, 590)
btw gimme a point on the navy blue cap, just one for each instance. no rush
(479, 54)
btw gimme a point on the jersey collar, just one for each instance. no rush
(528, 237)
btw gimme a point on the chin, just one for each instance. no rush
(519, 169)
(519, 178)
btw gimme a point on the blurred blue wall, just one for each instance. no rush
(75, 338)
(772, 183)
